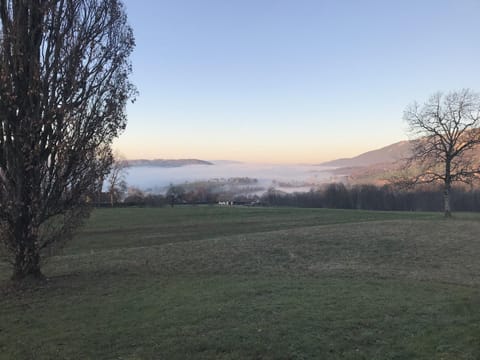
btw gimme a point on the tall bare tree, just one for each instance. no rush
(64, 69)
(446, 130)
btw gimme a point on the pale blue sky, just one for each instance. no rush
(290, 80)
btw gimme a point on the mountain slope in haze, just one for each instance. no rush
(167, 162)
(388, 154)
(373, 167)
(380, 165)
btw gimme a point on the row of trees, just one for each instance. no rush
(203, 191)
(371, 197)
(335, 196)
(175, 194)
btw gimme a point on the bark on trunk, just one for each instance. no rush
(27, 265)
(446, 191)
(27, 256)
(446, 202)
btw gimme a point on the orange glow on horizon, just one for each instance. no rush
(260, 154)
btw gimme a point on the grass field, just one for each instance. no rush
(253, 283)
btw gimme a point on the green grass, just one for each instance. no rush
(266, 283)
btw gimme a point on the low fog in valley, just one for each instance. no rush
(283, 177)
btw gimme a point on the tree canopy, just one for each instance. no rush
(446, 131)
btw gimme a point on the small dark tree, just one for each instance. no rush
(175, 194)
(64, 68)
(117, 185)
(446, 131)
(135, 196)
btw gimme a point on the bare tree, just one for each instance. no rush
(64, 69)
(116, 178)
(446, 130)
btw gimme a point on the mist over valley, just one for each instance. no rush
(155, 176)
(284, 177)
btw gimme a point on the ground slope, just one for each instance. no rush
(235, 283)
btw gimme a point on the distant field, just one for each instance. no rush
(261, 283)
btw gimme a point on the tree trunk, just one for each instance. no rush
(446, 191)
(27, 265)
(27, 253)
(446, 201)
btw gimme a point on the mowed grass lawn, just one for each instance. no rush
(253, 283)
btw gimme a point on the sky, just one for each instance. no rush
(290, 81)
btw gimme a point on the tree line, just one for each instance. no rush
(371, 197)
(334, 196)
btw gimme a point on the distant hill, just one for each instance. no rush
(388, 154)
(372, 167)
(225, 162)
(377, 166)
(167, 162)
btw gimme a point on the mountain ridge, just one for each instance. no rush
(166, 162)
(372, 167)
(387, 154)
